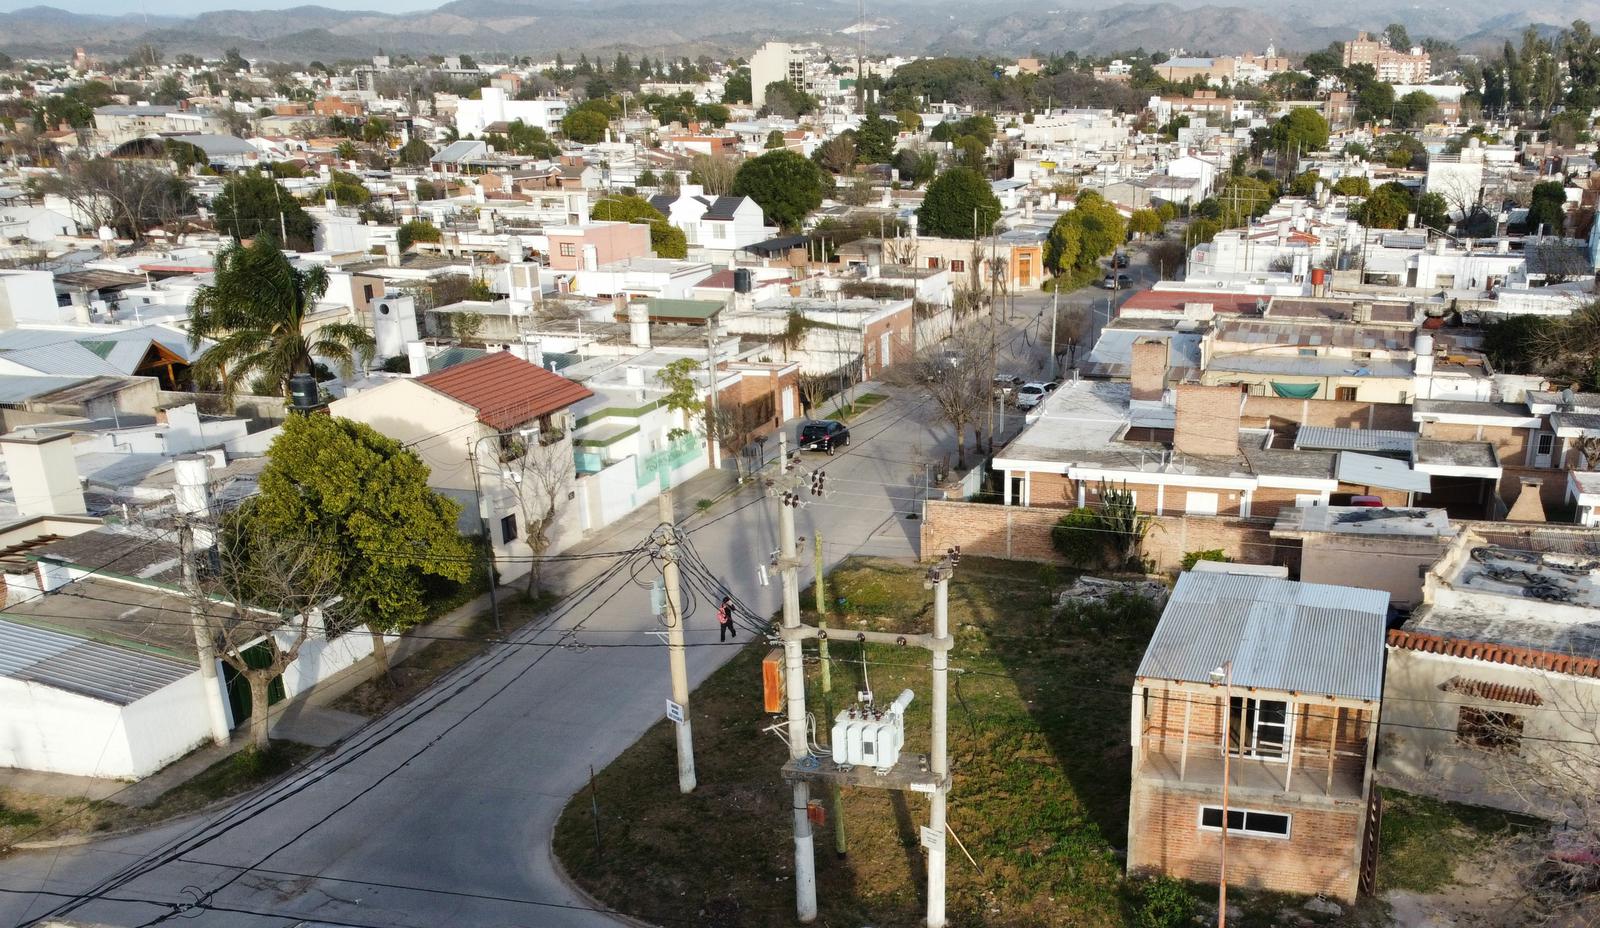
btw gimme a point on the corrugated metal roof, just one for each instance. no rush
(1369, 470)
(1280, 635)
(89, 668)
(1330, 438)
(23, 387)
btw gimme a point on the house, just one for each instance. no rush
(493, 105)
(1390, 549)
(711, 222)
(496, 434)
(1492, 683)
(586, 246)
(117, 123)
(1271, 688)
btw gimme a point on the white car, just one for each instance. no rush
(1030, 395)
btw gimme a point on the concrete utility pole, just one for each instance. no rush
(204, 646)
(938, 754)
(675, 653)
(1055, 314)
(714, 421)
(805, 865)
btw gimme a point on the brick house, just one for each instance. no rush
(1299, 729)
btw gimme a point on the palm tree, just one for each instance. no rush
(255, 309)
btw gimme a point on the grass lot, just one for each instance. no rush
(28, 817)
(1423, 840)
(857, 406)
(1038, 747)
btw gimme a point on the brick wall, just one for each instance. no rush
(1149, 368)
(1285, 416)
(1208, 421)
(1319, 857)
(1313, 727)
(1023, 533)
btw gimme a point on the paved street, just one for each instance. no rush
(442, 813)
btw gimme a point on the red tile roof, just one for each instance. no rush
(1172, 301)
(1499, 692)
(721, 280)
(506, 390)
(1515, 655)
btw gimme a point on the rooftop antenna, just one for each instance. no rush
(861, 54)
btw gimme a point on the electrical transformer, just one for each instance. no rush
(870, 737)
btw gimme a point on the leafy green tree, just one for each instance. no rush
(1304, 184)
(909, 120)
(1547, 207)
(1302, 129)
(713, 113)
(958, 204)
(1388, 208)
(417, 230)
(346, 189)
(774, 140)
(786, 184)
(1415, 110)
(1352, 185)
(360, 502)
(737, 89)
(1433, 212)
(1145, 222)
(785, 99)
(1061, 246)
(415, 152)
(875, 139)
(1374, 102)
(255, 310)
(666, 240)
(915, 166)
(585, 125)
(252, 204)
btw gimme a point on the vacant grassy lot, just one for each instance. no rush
(1424, 840)
(1038, 747)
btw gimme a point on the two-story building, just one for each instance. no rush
(1255, 716)
(714, 223)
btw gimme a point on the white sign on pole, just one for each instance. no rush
(923, 787)
(674, 712)
(931, 839)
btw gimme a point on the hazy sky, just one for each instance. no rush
(189, 7)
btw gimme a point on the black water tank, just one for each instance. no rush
(743, 280)
(303, 392)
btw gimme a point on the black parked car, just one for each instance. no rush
(824, 435)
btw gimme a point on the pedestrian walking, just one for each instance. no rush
(725, 619)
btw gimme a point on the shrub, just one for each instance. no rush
(1079, 537)
(1190, 558)
(399, 364)
(1163, 902)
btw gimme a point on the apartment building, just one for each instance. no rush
(1394, 66)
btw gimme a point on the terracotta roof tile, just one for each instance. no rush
(1514, 655)
(1499, 692)
(506, 390)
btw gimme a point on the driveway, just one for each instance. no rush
(441, 813)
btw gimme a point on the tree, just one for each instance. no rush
(713, 172)
(875, 139)
(737, 89)
(915, 165)
(1547, 208)
(1388, 208)
(1374, 102)
(1415, 110)
(346, 189)
(1433, 212)
(130, 198)
(585, 125)
(417, 230)
(957, 380)
(544, 475)
(786, 184)
(1302, 129)
(958, 204)
(1145, 222)
(714, 113)
(1352, 185)
(255, 309)
(252, 204)
(775, 140)
(666, 240)
(1062, 246)
(360, 505)
(415, 153)
(838, 154)
(1397, 36)
(787, 100)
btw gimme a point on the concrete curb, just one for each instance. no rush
(583, 894)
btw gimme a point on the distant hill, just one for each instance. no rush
(736, 27)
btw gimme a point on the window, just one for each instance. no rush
(1489, 730)
(1308, 352)
(1246, 822)
(1200, 504)
(569, 249)
(1346, 394)
(366, 292)
(719, 230)
(1258, 728)
(1547, 444)
(957, 266)
(933, 263)
(508, 529)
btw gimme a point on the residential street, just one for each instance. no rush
(442, 813)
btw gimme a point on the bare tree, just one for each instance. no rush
(714, 173)
(1071, 327)
(813, 390)
(261, 602)
(543, 474)
(900, 250)
(956, 378)
(130, 198)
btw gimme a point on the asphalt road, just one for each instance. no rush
(441, 814)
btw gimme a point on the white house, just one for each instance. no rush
(712, 222)
(473, 116)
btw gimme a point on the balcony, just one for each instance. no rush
(1309, 780)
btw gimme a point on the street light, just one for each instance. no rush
(1224, 675)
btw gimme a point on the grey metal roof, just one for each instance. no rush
(1369, 470)
(1281, 635)
(19, 388)
(1330, 438)
(95, 669)
(217, 145)
(458, 151)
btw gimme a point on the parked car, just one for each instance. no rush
(1117, 282)
(1120, 259)
(1006, 383)
(1030, 395)
(824, 435)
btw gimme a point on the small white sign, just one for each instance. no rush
(924, 787)
(674, 712)
(932, 840)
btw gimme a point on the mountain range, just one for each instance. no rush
(736, 27)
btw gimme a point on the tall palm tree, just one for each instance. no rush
(255, 310)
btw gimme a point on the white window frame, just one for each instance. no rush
(1200, 818)
(1542, 458)
(1254, 733)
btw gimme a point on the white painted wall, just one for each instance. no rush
(43, 728)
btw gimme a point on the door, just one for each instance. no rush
(256, 656)
(788, 403)
(884, 359)
(1544, 446)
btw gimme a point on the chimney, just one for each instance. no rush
(1424, 352)
(1361, 313)
(44, 473)
(1208, 420)
(391, 254)
(1149, 369)
(1528, 507)
(639, 324)
(417, 358)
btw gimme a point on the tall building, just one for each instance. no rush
(1392, 65)
(775, 61)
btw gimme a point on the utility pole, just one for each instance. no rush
(938, 753)
(1055, 314)
(204, 645)
(805, 865)
(675, 653)
(714, 423)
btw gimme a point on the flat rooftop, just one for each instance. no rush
(1401, 522)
